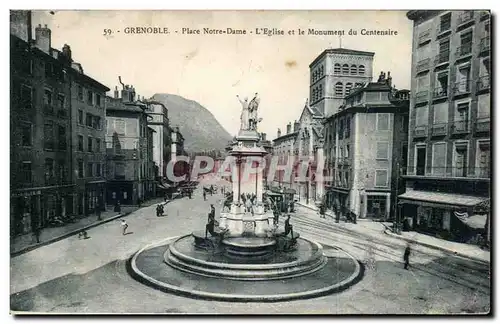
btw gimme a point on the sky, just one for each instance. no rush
(213, 69)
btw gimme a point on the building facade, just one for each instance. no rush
(365, 144)
(88, 115)
(449, 160)
(284, 149)
(333, 73)
(130, 175)
(162, 139)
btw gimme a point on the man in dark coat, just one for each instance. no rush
(406, 256)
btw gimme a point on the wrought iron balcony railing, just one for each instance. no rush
(442, 57)
(483, 83)
(460, 127)
(450, 172)
(483, 125)
(439, 92)
(463, 87)
(439, 129)
(464, 50)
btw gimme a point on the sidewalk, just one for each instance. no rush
(27, 242)
(371, 228)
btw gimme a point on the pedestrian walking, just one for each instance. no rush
(37, 233)
(211, 190)
(139, 202)
(406, 256)
(98, 213)
(204, 195)
(124, 226)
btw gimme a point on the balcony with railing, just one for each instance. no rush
(483, 83)
(423, 65)
(448, 172)
(483, 125)
(462, 88)
(440, 129)
(460, 127)
(422, 96)
(464, 50)
(465, 17)
(484, 44)
(420, 131)
(441, 58)
(439, 93)
(424, 36)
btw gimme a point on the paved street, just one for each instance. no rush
(90, 275)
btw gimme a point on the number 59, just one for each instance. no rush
(107, 32)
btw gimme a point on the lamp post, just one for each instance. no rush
(396, 226)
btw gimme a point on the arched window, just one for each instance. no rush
(336, 68)
(320, 91)
(348, 87)
(361, 70)
(354, 69)
(345, 69)
(315, 94)
(339, 89)
(321, 71)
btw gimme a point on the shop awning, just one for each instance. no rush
(430, 197)
(474, 221)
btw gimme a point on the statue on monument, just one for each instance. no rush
(244, 113)
(253, 107)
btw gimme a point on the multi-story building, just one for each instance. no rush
(283, 148)
(130, 175)
(365, 144)
(40, 124)
(333, 73)
(162, 140)
(449, 160)
(88, 114)
(180, 167)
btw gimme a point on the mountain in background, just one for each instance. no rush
(199, 127)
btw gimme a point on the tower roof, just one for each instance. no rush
(341, 51)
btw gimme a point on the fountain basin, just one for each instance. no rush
(249, 246)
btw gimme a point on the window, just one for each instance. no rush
(98, 145)
(60, 101)
(89, 144)
(354, 69)
(465, 43)
(463, 79)
(348, 87)
(336, 68)
(119, 170)
(62, 171)
(338, 89)
(98, 170)
(376, 206)
(381, 178)
(421, 116)
(460, 159)
(341, 129)
(47, 97)
(320, 91)
(80, 117)
(96, 122)
(26, 96)
(90, 169)
(48, 70)
(90, 98)
(80, 143)
(80, 93)
(382, 150)
(361, 70)
(347, 151)
(26, 134)
(382, 121)
(61, 137)
(98, 100)
(345, 69)
(444, 51)
(89, 120)
(49, 169)
(445, 23)
(48, 135)
(26, 173)
(484, 159)
(439, 158)
(80, 169)
(442, 84)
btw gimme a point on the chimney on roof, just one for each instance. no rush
(289, 128)
(66, 52)
(262, 136)
(279, 133)
(117, 94)
(43, 38)
(296, 126)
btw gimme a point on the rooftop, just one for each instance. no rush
(341, 51)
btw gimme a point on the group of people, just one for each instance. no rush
(159, 210)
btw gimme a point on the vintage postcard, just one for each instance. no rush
(250, 162)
